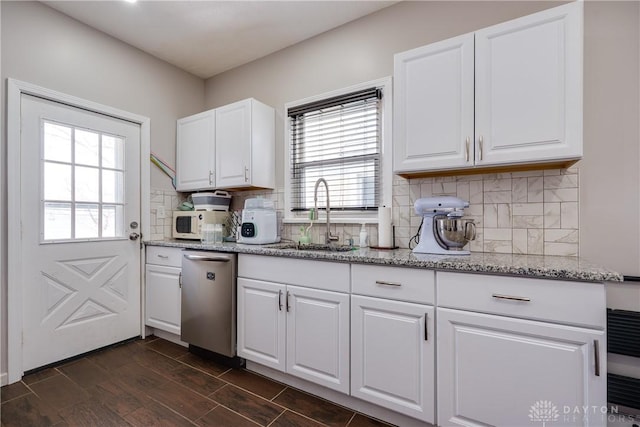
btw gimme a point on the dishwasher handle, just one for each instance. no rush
(207, 258)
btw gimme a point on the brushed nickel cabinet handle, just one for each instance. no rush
(426, 333)
(180, 280)
(246, 174)
(163, 256)
(596, 352)
(481, 143)
(467, 149)
(511, 297)
(280, 300)
(287, 301)
(382, 282)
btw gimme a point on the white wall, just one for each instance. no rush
(363, 50)
(44, 47)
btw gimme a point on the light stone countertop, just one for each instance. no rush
(532, 266)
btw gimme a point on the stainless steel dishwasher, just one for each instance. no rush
(209, 301)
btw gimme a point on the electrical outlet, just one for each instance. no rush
(160, 214)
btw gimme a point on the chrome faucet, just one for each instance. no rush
(328, 236)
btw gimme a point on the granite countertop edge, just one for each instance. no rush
(532, 266)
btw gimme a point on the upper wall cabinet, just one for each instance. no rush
(230, 147)
(245, 145)
(509, 94)
(195, 152)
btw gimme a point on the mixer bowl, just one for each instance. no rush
(454, 233)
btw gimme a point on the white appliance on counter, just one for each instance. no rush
(188, 224)
(444, 231)
(259, 223)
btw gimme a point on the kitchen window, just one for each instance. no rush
(340, 137)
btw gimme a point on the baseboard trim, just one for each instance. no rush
(168, 336)
(4, 378)
(337, 397)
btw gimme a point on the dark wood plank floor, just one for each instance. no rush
(154, 382)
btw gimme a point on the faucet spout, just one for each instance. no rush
(328, 236)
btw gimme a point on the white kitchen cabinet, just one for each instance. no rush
(508, 345)
(295, 329)
(195, 152)
(527, 87)
(433, 106)
(245, 145)
(163, 292)
(392, 338)
(393, 355)
(261, 322)
(495, 370)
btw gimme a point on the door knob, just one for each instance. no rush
(134, 236)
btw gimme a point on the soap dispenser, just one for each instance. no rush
(364, 237)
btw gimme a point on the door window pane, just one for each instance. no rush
(112, 152)
(112, 221)
(57, 142)
(57, 181)
(82, 184)
(87, 221)
(57, 221)
(87, 148)
(112, 186)
(87, 184)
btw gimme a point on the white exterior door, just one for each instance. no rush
(529, 88)
(80, 201)
(393, 355)
(262, 322)
(318, 336)
(433, 106)
(195, 152)
(502, 371)
(233, 144)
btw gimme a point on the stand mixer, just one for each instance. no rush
(444, 231)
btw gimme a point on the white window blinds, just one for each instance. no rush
(337, 139)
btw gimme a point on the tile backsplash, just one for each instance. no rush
(534, 212)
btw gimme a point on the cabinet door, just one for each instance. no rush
(529, 88)
(504, 371)
(195, 152)
(433, 106)
(261, 322)
(162, 298)
(233, 145)
(318, 337)
(392, 355)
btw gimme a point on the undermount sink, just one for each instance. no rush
(310, 247)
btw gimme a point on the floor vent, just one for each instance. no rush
(623, 391)
(623, 332)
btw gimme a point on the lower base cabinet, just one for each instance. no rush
(301, 331)
(393, 355)
(503, 371)
(162, 298)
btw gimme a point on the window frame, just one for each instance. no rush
(386, 163)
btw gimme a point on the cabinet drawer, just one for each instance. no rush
(406, 284)
(330, 276)
(577, 303)
(160, 255)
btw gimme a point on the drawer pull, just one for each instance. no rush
(163, 256)
(382, 282)
(596, 352)
(510, 297)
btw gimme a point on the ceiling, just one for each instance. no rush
(206, 38)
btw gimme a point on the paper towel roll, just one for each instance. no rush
(385, 232)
